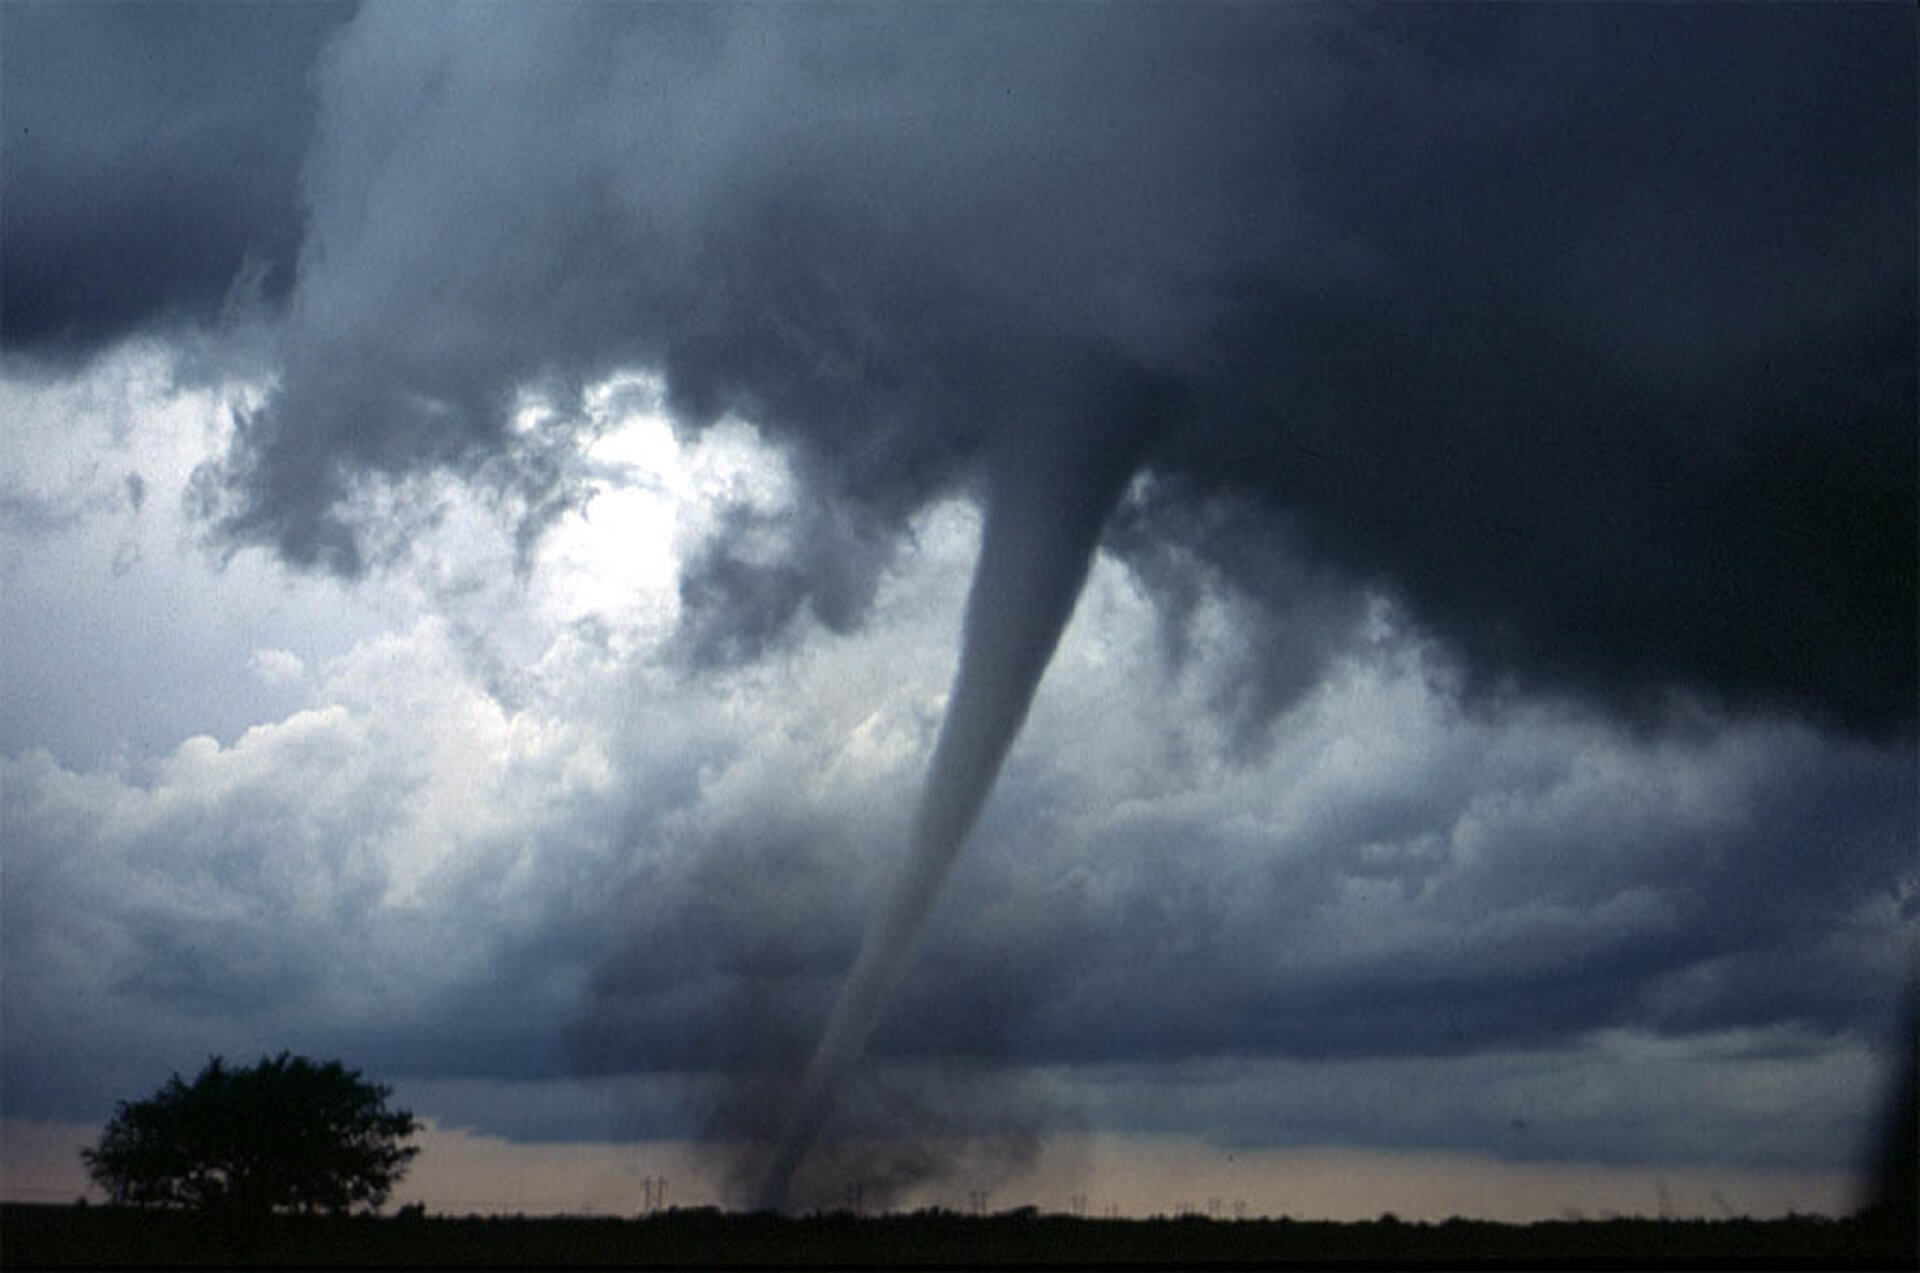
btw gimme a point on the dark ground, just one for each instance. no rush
(75, 1236)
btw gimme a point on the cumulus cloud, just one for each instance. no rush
(277, 667)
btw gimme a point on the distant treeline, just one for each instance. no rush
(35, 1236)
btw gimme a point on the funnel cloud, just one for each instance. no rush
(1049, 495)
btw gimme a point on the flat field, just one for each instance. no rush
(74, 1236)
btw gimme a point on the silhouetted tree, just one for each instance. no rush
(286, 1134)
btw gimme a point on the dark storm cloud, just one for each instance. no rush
(1627, 402)
(152, 153)
(742, 591)
(1586, 332)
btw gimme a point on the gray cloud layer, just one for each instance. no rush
(1147, 928)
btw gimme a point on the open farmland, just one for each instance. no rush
(45, 1236)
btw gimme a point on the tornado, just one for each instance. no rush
(1050, 489)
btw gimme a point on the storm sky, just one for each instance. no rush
(491, 497)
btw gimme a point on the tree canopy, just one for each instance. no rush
(286, 1134)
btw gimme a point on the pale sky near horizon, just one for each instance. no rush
(490, 499)
(463, 1173)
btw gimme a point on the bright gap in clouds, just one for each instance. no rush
(647, 500)
(95, 492)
